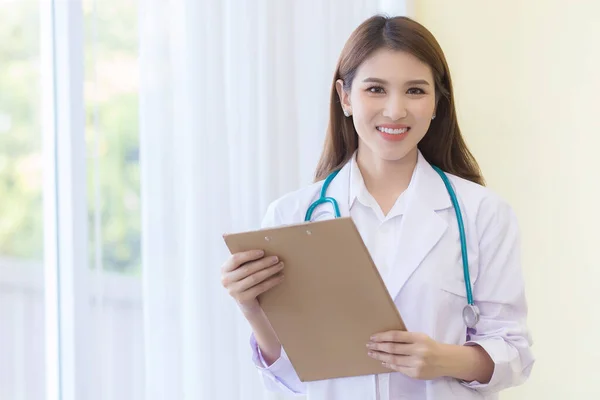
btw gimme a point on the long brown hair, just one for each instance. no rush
(443, 144)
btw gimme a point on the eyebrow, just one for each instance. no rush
(384, 82)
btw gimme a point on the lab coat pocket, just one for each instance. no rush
(453, 278)
(453, 286)
(450, 271)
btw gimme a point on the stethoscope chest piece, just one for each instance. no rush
(471, 315)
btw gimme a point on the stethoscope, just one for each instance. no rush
(470, 311)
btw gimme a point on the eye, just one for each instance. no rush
(415, 91)
(375, 89)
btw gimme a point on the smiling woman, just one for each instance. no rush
(393, 133)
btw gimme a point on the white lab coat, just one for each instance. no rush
(428, 267)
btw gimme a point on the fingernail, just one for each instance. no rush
(280, 265)
(370, 354)
(369, 345)
(274, 259)
(260, 253)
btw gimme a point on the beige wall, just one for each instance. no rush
(527, 80)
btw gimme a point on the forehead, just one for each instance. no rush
(394, 66)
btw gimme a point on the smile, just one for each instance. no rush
(393, 131)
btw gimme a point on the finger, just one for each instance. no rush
(391, 366)
(256, 278)
(395, 336)
(247, 269)
(392, 348)
(243, 257)
(250, 268)
(262, 287)
(408, 371)
(389, 358)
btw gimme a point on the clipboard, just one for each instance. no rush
(332, 298)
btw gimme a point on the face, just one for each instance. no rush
(392, 102)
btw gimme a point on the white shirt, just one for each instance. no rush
(416, 248)
(379, 232)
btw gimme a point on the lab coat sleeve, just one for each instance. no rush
(500, 295)
(279, 376)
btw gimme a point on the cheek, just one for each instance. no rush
(366, 108)
(423, 108)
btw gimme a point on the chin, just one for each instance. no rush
(395, 154)
(391, 152)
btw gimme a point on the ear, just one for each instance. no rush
(344, 96)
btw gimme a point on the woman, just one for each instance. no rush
(392, 117)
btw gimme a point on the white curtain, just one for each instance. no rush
(234, 103)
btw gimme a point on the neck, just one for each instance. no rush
(384, 179)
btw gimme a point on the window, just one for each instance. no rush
(22, 370)
(98, 312)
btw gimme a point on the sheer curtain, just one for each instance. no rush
(233, 110)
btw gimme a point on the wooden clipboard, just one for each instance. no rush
(331, 300)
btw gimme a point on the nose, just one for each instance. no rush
(395, 108)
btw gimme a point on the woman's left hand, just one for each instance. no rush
(413, 354)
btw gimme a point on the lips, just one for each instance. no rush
(393, 133)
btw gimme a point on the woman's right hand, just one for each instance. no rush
(247, 274)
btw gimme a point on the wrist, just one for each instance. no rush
(252, 311)
(466, 363)
(449, 360)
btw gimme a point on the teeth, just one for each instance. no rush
(392, 131)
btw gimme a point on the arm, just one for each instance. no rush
(501, 332)
(419, 356)
(266, 339)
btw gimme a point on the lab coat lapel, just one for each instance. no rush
(421, 227)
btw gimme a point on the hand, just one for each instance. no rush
(413, 354)
(247, 274)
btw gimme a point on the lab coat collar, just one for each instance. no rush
(356, 186)
(358, 192)
(428, 186)
(425, 182)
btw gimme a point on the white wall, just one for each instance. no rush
(527, 78)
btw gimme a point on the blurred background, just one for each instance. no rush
(110, 91)
(133, 134)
